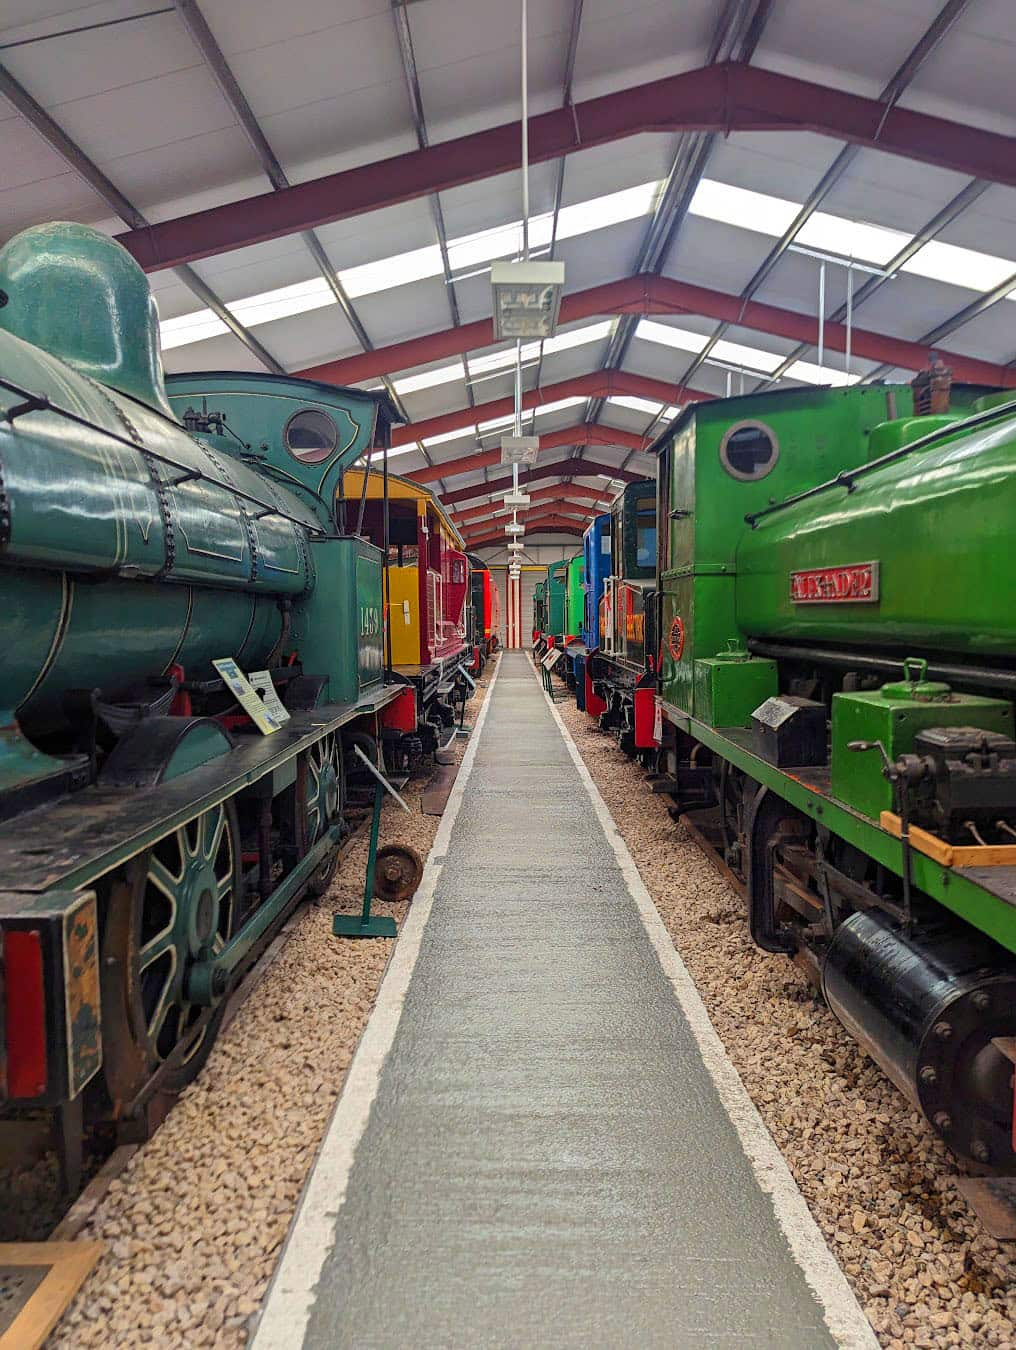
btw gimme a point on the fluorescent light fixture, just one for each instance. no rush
(515, 499)
(513, 528)
(519, 449)
(527, 298)
(515, 546)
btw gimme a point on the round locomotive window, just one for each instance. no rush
(749, 450)
(310, 436)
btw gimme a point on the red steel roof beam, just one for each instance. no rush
(574, 513)
(493, 540)
(723, 98)
(555, 492)
(586, 433)
(558, 468)
(597, 384)
(648, 294)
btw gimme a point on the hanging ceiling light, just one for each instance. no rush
(527, 299)
(519, 450)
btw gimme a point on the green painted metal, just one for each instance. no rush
(557, 578)
(326, 625)
(932, 520)
(208, 981)
(949, 887)
(575, 596)
(204, 741)
(894, 715)
(817, 433)
(367, 925)
(105, 325)
(731, 685)
(259, 412)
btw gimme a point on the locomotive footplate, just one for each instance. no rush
(70, 843)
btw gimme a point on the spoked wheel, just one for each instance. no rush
(173, 905)
(319, 801)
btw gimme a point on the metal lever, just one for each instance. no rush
(897, 779)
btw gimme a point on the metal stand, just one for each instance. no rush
(366, 926)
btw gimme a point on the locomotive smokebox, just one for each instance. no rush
(928, 1007)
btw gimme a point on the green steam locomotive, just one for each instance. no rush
(827, 696)
(151, 837)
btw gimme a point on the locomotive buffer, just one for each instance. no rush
(540, 1140)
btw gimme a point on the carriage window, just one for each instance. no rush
(749, 450)
(645, 536)
(310, 436)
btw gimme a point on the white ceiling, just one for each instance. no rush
(325, 81)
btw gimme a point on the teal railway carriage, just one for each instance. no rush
(150, 836)
(836, 669)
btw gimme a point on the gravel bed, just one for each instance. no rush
(875, 1177)
(194, 1226)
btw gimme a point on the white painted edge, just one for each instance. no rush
(843, 1314)
(290, 1299)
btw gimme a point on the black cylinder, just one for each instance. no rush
(927, 1007)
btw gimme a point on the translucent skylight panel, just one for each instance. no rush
(852, 238)
(960, 266)
(411, 384)
(810, 373)
(737, 354)
(669, 336)
(774, 215)
(189, 328)
(418, 264)
(731, 353)
(612, 209)
(399, 270)
(741, 206)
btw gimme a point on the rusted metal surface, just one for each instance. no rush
(397, 872)
(993, 1200)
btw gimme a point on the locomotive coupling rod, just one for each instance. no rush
(209, 981)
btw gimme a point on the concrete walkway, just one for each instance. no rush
(548, 1155)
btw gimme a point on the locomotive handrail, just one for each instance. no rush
(42, 403)
(847, 477)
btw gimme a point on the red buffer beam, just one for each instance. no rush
(597, 384)
(648, 294)
(721, 98)
(558, 468)
(587, 433)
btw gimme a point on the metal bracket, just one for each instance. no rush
(364, 925)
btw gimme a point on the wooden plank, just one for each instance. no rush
(67, 1265)
(951, 855)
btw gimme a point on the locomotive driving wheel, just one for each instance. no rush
(320, 800)
(173, 905)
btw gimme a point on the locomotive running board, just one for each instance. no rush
(80, 838)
